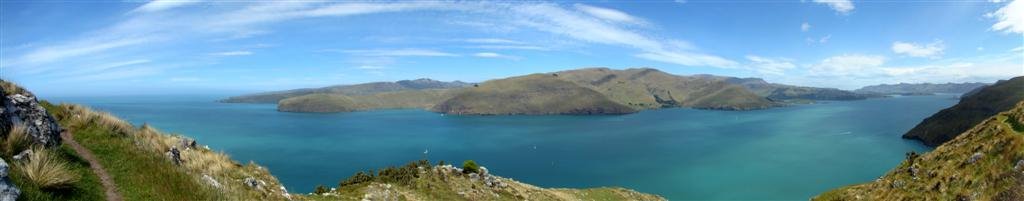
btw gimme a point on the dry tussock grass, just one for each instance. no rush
(48, 170)
(197, 161)
(17, 140)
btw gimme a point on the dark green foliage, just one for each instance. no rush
(358, 178)
(470, 166)
(399, 175)
(320, 189)
(402, 175)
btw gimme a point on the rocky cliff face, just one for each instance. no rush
(20, 107)
(971, 110)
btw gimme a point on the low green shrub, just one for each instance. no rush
(320, 189)
(470, 166)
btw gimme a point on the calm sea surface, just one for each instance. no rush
(788, 153)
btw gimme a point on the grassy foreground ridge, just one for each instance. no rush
(983, 163)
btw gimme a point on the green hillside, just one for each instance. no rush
(331, 102)
(646, 88)
(972, 109)
(530, 94)
(790, 93)
(984, 163)
(583, 91)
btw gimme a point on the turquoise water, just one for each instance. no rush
(788, 153)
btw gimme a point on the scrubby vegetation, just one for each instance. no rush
(984, 163)
(421, 181)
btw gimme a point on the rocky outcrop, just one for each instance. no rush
(971, 110)
(8, 192)
(20, 107)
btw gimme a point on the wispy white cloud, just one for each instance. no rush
(554, 19)
(494, 55)
(184, 79)
(493, 41)
(688, 59)
(120, 64)
(232, 53)
(511, 47)
(147, 27)
(932, 50)
(805, 27)
(822, 40)
(840, 6)
(770, 66)
(159, 5)
(1010, 18)
(847, 65)
(609, 14)
(408, 52)
(369, 67)
(850, 71)
(78, 48)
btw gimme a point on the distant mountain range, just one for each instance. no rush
(576, 92)
(920, 89)
(973, 108)
(982, 160)
(781, 92)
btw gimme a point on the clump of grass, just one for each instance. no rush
(10, 88)
(47, 170)
(17, 140)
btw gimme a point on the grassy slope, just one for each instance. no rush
(435, 183)
(947, 174)
(530, 94)
(948, 123)
(329, 102)
(134, 158)
(88, 186)
(649, 88)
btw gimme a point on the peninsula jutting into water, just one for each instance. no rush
(384, 100)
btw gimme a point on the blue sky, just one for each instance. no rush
(60, 48)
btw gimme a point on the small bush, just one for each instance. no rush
(470, 166)
(47, 170)
(17, 140)
(320, 189)
(358, 178)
